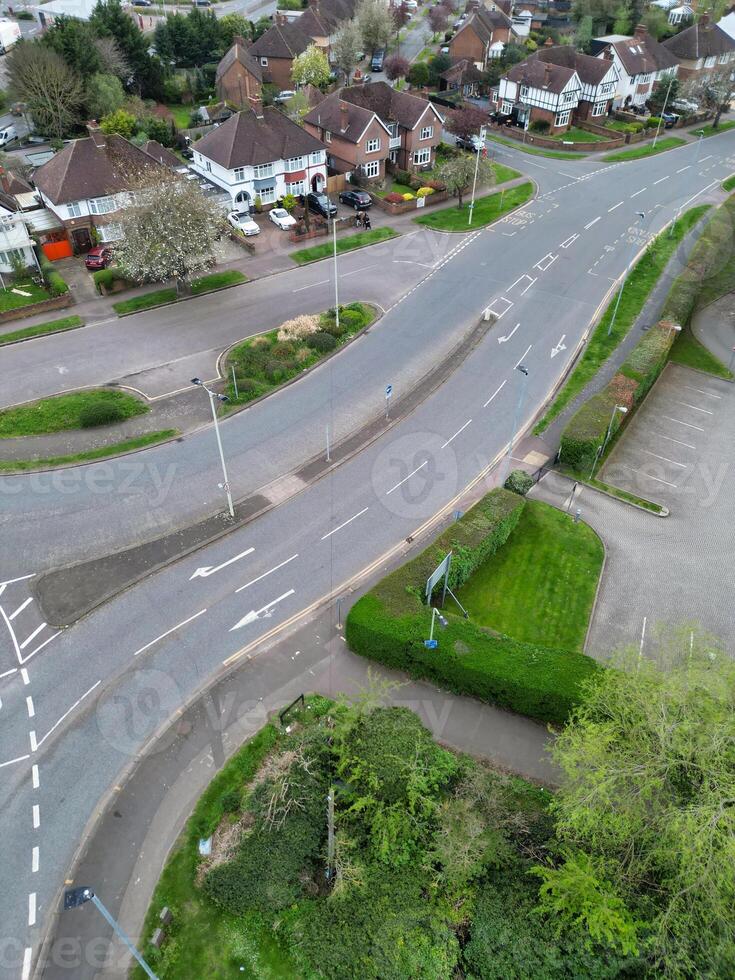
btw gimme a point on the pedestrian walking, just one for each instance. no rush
(359, 218)
(366, 222)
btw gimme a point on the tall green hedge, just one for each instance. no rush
(391, 622)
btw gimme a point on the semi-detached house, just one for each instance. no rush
(701, 50)
(641, 62)
(598, 78)
(534, 91)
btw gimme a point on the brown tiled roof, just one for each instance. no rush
(280, 41)
(349, 125)
(701, 40)
(12, 183)
(239, 52)
(462, 71)
(388, 104)
(590, 70)
(315, 23)
(84, 169)
(642, 54)
(483, 22)
(162, 155)
(245, 140)
(538, 74)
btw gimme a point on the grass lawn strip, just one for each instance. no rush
(638, 152)
(536, 152)
(729, 184)
(53, 326)
(540, 586)
(575, 135)
(687, 350)
(488, 208)
(90, 455)
(359, 240)
(63, 412)
(638, 287)
(721, 128)
(10, 300)
(217, 280)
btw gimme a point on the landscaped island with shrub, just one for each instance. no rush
(76, 410)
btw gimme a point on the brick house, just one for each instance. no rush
(598, 77)
(641, 62)
(536, 91)
(483, 35)
(275, 51)
(239, 75)
(701, 50)
(356, 139)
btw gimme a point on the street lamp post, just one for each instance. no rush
(641, 215)
(700, 134)
(663, 110)
(431, 643)
(76, 897)
(480, 148)
(600, 452)
(213, 398)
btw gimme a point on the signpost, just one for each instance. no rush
(440, 572)
(388, 393)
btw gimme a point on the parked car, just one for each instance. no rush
(281, 218)
(202, 3)
(284, 96)
(670, 119)
(98, 257)
(7, 135)
(142, 3)
(473, 143)
(359, 200)
(376, 63)
(685, 105)
(241, 221)
(410, 4)
(320, 204)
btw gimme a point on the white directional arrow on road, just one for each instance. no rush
(265, 612)
(559, 347)
(207, 570)
(502, 340)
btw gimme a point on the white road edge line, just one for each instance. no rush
(68, 712)
(265, 574)
(638, 192)
(354, 518)
(10, 762)
(496, 392)
(412, 473)
(643, 637)
(593, 222)
(451, 438)
(167, 633)
(322, 282)
(520, 359)
(681, 171)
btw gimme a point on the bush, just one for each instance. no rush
(100, 413)
(408, 196)
(56, 285)
(519, 482)
(103, 279)
(403, 177)
(321, 342)
(540, 126)
(415, 182)
(424, 191)
(436, 185)
(653, 122)
(299, 328)
(394, 198)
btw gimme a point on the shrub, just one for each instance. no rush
(424, 191)
(540, 126)
(100, 413)
(394, 198)
(408, 196)
(321, 342)
(56, 285)
(653, 122)
(584, 433)
(519, 482)
(299, 328)
(103, 279)
(403, 177)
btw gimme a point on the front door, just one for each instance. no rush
(81, 239)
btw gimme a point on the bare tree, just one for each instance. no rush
(396, 66)
(346, 47)
(465, 122)
(713, 92)
(41, 78)
(112, 60)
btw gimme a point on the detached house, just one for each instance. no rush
(239, 76)
(261, 154)
(536, 91)
(483, 35)
(641, 62)
(701, 50)
(598, 78)
(276, 50)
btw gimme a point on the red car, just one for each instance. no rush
(98, 257)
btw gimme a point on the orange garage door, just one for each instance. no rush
(57, 250)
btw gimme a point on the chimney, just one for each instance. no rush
(315, 5)
(640, 33)
(257, 106)
(704, 22)
(96, 133)
(239, 40)
(281, 18)
(344, 117)
(547, 74)
(608, 55)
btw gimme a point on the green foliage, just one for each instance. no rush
(519, 482)
(105, 279)
(120, 121)
(232, 25)
(55, 284)
(38, 329)
(145, 71)
(104, 95)
(100, 413)
(347, 244)
(487, 208)
(585, 432)
(63, 412)
(311, 67)
(458, 174)
(418, 76)
(321, 341)
(540, 126)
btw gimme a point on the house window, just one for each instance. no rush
(371, 169)
(724, 58)
(267, 195)
(239, 174)
(645, 79)
(422, 156)
(74, 210)
(295, 188)
(102, 205)
(263, 170)
(208, 166)
(598, 109)
(506, 108)
(709, 62)
(327, 136)
(562, 118)
(569, 96)
(427, 132)
(316, 157)
(524, 91)
(295, 163)
(264, 62)
(110, 233)
(372, 146)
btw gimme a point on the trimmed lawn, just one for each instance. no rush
(14, 301)
(181, 114)
(722, 128)
(575, 135)
(524, 148)
(502, 175)
(540, 586)
(487, 209)
(641, 280)
(729, 184)
(53, 326)
(90, 454)
(64, 412)
(688, 351)
(638, 152)
(217, 280)
(205, 284)
(347, 244)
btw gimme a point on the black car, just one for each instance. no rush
(670, 119)
(376, 62)
(359, 200)
(320, 204)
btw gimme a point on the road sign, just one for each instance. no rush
(388, 391)
(431, 644)
(440, 572)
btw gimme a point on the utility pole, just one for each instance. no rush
(641, 215)
(480, 148)
(76, 897)
(330, 834)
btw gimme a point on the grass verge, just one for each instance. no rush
(217, 280)
(688, 351)
(360, 240)
(64, 412)
(729, 184)
(641, 280)
(721, 128)
(488, 208)
(206, 284)
(10, 300)
(555, 155)
(638, 152)
(575, 135)
(53, 326)
(540, 586)
(90, 455)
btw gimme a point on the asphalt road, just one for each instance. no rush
(77, 705)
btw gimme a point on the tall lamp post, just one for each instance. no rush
(663, 110)
(213, 399)
(700, 134)
(74, 898)
(480, 147)
(641, 215)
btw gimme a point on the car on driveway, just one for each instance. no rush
(684, 105)
(281, 218)
(359, 200)
(473, 143)
(285, 96)
(241, 221)
(670, 119)
(320, 204)
(98, 257)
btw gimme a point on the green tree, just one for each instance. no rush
(375, 21)
(104, 94)
(297, 107)
(438, 64)
(42, 79)
(656, 23)
(418, 76)
(345, 48)
(713, 92)
(261, 25)
(233, 25)
(311, 67)
(583, 34)
(458, 174)
(75, 40)
(109, 20)
(645, 816)
(623, 22)
(120, 122)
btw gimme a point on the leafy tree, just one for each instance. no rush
(465, 122)
(645, 817)
(159, 130)
(437, 65)
(297, 107)
(169, 231)
(438, 19)
(713, 92)
(42, 79)
(396, 66)
(601, 12)
(376, 25)
(345, 48)
(418, 74)
(623, 22)
(104, 94)
(120, 122)
(656, 23)
(311, 67)
(261, 25)
(458, 174)
(109, 20)
(583, 34)
(233, 25)
(75, 41)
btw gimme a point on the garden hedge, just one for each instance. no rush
(391, 622)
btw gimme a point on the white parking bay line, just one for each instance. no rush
(451, 438)
(678, 442)
(412, 473)
(20, 608)
(691, 388)
(496, 392)
(695, 408)
(649, 477)
(330, 533)
(168, 632)
(665, 459)
(32, 637)
(687, 424)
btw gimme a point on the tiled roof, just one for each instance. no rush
(701, 40)
(463, 71)
(162, 155)
(246, 140)
(345, 119)
(388, 104)
(538, 74)
(642, 54)
(590, 70)
(239, 52)
(281, 41)
(483, 22)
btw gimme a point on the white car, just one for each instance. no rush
(411, 4)
(281, 217)
(241, 221)
(684, 105)
(285, 96)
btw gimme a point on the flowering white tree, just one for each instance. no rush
(169, 230)
(713, 92)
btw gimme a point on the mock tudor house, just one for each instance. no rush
(701, 50)
(87, 182)
(536, 91)
(260, 153)
(239, 76)
(641, 62)
(276, 50)
(483, 35)
(598, 78)
(357, 141)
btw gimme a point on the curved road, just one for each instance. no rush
(78, 704)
